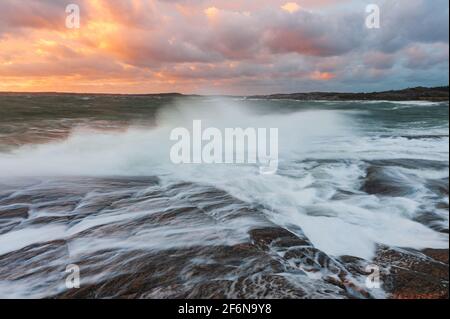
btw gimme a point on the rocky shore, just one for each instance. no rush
(273, 263)
(360, 196)
(437, 94)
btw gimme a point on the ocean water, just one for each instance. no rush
(87, 180)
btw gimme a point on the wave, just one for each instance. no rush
(323, 199)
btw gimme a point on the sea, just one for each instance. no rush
(87, 180)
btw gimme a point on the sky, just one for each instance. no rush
(222, 46)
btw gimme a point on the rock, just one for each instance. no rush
(412, 274)
(199, 272)
(437, 254)
(434, 221)
(382, 181)
(439, 186)
(20, 212)
(248, 270)
(277, 236)
(410, 94)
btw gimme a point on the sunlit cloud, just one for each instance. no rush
(291, 7)
(229, 47)
(211, 12)
(322, 76)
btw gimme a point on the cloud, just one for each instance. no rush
(230, 46)
(290, 7)
(379, 60)
(419, 56)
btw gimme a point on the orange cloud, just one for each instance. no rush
(211, 12)
(291, 7)
(139, 46)
(322, 76)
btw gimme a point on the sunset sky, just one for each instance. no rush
(222, 46)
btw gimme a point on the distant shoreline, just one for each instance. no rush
(436, 94)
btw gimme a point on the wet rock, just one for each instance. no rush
(440, 255)
(7, 225)
(299, 253)
(267, 262)
(380, 181)
(434, 221)
(410, 163)
(442, 205)
(354, 265)
(47, 220)
(19, 212)
(439, 186)
(409, 274)
(199, 272)
(247, 270)
(35, 263)
(280, 237)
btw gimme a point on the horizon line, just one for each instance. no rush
(212, 95)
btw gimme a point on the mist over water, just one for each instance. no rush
(95, 174)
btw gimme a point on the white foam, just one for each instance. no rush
(299, 196)
(18, 239)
